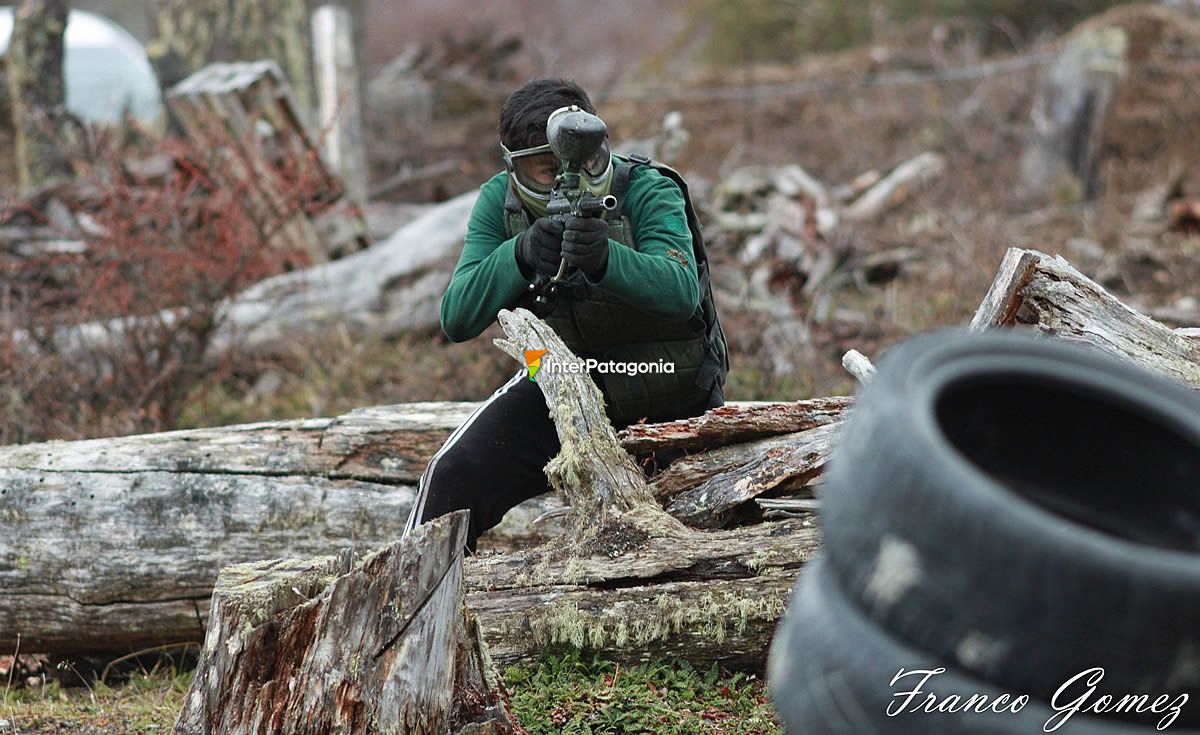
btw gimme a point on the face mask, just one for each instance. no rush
(533, 170)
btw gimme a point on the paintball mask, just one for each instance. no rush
(534, 170)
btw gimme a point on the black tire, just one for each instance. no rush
(1026, 509)
(831, 669)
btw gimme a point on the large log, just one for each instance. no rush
(337, 645)
(114, 544)
(1044, 291)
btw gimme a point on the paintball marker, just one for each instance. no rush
(576, 137)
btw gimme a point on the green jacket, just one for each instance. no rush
(658, 278)
(645, 308)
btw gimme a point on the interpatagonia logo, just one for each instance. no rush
(533, 362)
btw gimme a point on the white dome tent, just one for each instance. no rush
(105, 69)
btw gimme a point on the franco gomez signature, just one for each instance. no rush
(915, 700)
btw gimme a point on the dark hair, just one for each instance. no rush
(523, 115)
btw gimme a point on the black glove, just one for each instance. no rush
(585, 245)
(540, 248)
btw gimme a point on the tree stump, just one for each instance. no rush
(382, 644)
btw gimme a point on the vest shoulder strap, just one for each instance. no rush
(716, 367)
(515, 219)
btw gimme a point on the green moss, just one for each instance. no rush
(621, 626)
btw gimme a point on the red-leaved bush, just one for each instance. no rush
(111, 334)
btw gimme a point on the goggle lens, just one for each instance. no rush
(537, 171)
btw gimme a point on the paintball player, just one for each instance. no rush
(632, 292)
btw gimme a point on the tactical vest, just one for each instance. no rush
(596, 324)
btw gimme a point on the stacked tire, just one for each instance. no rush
(1020, 516)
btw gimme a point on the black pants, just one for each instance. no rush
(495, 459)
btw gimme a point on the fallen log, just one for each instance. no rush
(380, 644)
(113, 545)
(732, 423)
(625, 578)
(896, 187)
(1046, 292)
(788, 465)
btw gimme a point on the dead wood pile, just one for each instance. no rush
(695, 561)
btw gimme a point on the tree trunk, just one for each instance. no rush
(1036, 289)
(190, 34)
(337, 645)
(1061, 158)
(36, 91)
(338, 96)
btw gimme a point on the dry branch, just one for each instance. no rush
(858, 365)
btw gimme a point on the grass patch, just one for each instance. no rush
(562, 695)
(146, 704)
(571, 696)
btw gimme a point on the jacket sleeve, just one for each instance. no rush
(487, 277)
(660, 276)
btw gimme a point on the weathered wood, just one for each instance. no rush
(592, 471)
(338, 645)
(733, 423)
(621, 546)
(384, 444)
(156, 516)
(36, 91)
(896, 187)
(1047, 292)
(1072, 102)
(726, 622)
(858, 365)
(338, 104)
(1003, 298)
(114, 544)
(634, 592)
(245, 114)
(787, 465)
